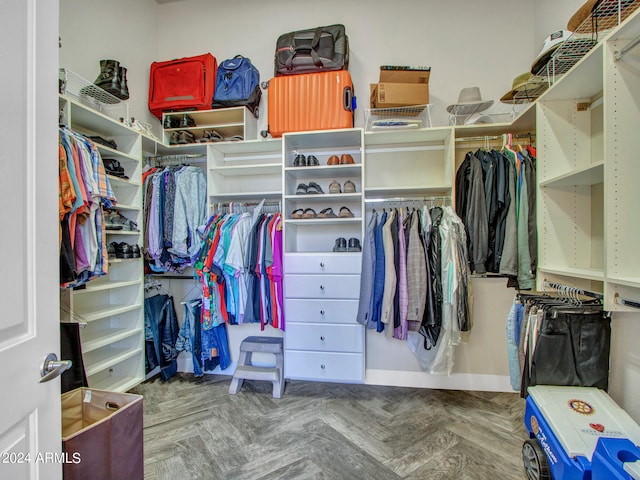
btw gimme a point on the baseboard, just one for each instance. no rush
(456, 381)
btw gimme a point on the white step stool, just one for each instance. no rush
(246, 371)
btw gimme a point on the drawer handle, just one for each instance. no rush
(322, 366)
(322, 337)
(321, 264)
(322, 287)
(321, 312)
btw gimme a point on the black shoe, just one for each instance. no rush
(312, 161)
(123, 250)
(341, 245)
(354, 245)
(111, 250)
(170, 122)
(186, 121)
(136, 251)
(314, 188)
(301, 189)
(109, 77)
(113, 167)
(300, 161)
(124, 89)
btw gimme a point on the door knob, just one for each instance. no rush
(51, 367)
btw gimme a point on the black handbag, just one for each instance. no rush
(314, 50)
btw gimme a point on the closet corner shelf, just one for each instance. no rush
(122, 385)
(98, 286)
(112, 152)
(98, 312)
(108, 337)
(121, 181)
(582, 273)
(589, 175)
(633, 282)
(98, 361)
(583, 80)
(95, 121)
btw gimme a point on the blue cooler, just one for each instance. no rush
(579, 433)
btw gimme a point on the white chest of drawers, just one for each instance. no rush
(323, 340)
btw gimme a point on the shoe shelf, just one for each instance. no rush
(243, 170)
(120, 377)
(110, 355)
(104, 311)
(228, 122)
(101, 284)
(324, 221)
(107, 152)
(324, 171)
(103, 338)
(122, 182)
(122, 232)
(126, 206)
(323, 197)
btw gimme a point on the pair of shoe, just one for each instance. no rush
(210, 136)
(349, 187)
(181, 137)
(301, 161)
(113, 167)
(123, 250)
(341, 245)
(182, 121)
(114, 220)
(312, 189)
(345, 159)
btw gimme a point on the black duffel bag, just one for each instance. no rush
(314, 50)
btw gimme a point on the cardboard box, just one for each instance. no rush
(391, 95)
(404, 75)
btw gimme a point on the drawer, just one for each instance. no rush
(324, 367)
(324, 337)
(322, 286)
(320, 311)
(342, 262)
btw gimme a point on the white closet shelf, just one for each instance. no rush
(408, 191)
(327, 197)
(324, 171)
(633, 282)
(99, 360)
(107, 337)
(323, 221)
(239, 170)
(122, 182)
(270, 145)
(121, 385)
(98, 286)
(440, 135)
(107, 152)
(126, 206)
(104, 311)
(241, 196)
(121, 232)
(95, 121)
(589, 70)
(185, 149)
(584, 273)
(123, 260)
(588, 175)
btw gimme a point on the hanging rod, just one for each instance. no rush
(156, 158)
(172, 277)
(577, 290)
(623, 301)
(632, 44)
(494, 137)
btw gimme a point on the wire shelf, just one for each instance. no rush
(606, 14)
(74, 85)
(412, 116)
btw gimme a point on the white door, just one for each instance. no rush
(29, 300)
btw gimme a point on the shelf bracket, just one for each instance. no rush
(619, 54)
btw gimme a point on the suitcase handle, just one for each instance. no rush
(347, 98)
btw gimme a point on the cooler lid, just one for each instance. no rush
(579, 416)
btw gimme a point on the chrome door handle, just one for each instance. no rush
(51, 367)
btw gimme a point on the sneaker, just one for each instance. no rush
(111, 222)
(136, 251)
(349, 187)
(185, 137)
(114, 218)
(334, 187)
(312, 161)
(340, 245)
(354, 245)
(123, 250)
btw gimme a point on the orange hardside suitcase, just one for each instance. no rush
(310, 101)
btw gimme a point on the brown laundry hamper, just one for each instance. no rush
(102, 430)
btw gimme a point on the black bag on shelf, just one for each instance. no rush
(315, 50)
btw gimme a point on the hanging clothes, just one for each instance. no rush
(175, 209)
(84, 190)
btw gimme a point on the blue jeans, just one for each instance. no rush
(215, 348)
(514, 324)
(160, 320)
(190, 338)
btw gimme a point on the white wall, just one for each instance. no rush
(551, 16)
(123, 30)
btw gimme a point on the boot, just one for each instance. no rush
(109, 77)
(124, 89)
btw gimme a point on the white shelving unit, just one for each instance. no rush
(228, 122)
(110, 308)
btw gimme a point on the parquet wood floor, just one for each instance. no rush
(195, 430)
